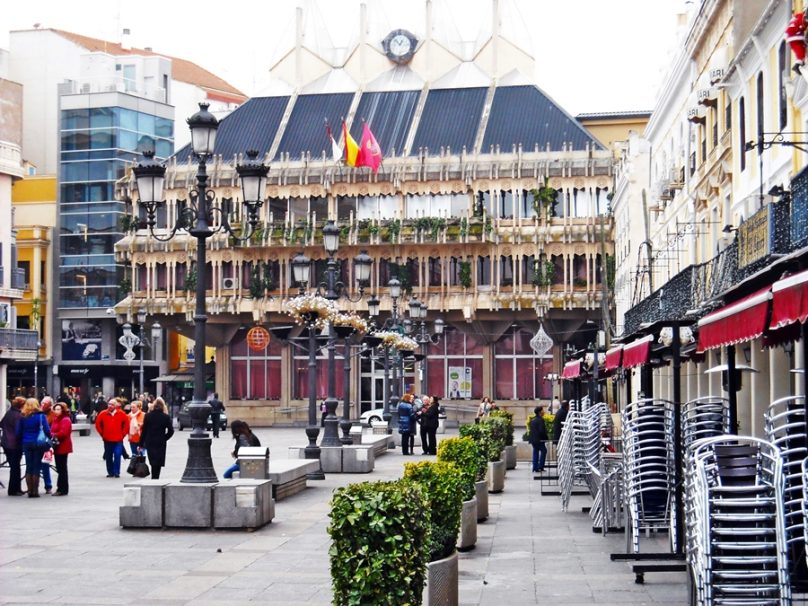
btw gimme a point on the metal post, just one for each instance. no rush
(425, 345)
(331, 425)
(199, 467)
(345, 424)
(732, 392)
(36, 370)
(142, 342)
(392, 424)
(312, 451)
(678, 455)
(386, 384)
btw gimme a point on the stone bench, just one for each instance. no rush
(289, 475)
(380, 444)
(357, 458)
(83, 428)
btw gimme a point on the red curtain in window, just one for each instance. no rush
(436, 377)
(238, 379)
(273, 380)
(524, 379)
(503, 371)
(238, 346)
(258, 380)
(476, 366)
(544, 389)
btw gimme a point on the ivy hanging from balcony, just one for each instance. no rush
(465, 274)
(260, 280)
(543, 273)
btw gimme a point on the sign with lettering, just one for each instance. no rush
(755, 237)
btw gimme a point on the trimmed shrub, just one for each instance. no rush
(481, 437)
(499, 430)
(465, 454)
(548, 425)
(379, 549)
(443, 487)
(501, 413)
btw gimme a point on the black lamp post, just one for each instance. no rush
(332, 289)
(418, 312)
(195, 219)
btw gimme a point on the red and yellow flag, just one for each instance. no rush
(351, 148)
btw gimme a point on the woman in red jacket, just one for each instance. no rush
(61, 430)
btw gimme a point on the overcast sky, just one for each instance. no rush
(591, 55)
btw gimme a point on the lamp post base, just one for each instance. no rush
(199, 467)
(331, 425)
(346, 439)
(312, 451)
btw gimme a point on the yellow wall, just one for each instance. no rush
(34, 189)
(609, 130)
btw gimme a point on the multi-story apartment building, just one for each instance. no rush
(15, 343)
(90, 107)
(724, 217)
(467, 140)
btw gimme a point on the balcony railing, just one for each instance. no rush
(667, 303)
(18, 343)
(18, 279)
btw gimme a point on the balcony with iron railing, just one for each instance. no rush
(18, 344)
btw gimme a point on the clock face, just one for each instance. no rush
(399, 46)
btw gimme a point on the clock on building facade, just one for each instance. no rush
(399, 46)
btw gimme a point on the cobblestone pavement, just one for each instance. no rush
(71, 550)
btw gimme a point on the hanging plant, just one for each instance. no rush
(394, 229)
(465, 274)
(544, 199)
(543, 273)
(124, 287)
(464, 227)
(190, 280)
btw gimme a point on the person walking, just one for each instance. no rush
(136, 417)
(28, 428)
(483, 409)
(216, 410)
(112, 425)
(12, 446)
(429, 426)
(62, 431)
(156, 432)
(538, 437)
(558, 423)
(406, 424)
(244, 437)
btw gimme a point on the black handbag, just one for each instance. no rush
(43, 442)
(141, 468)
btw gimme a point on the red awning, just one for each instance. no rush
(741, 321)
(572, 370)
(790, 301)
(613, 358)
(637, 352)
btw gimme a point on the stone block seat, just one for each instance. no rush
(289, 476)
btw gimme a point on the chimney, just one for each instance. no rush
(126, 43)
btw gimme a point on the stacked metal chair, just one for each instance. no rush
(738, 551)
(785, 428)
(607, 510)
(648, 467)
(805, 506)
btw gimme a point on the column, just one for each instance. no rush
(779, 377)
(745, 426)
(759, 387)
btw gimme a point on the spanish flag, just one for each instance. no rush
(351, 148)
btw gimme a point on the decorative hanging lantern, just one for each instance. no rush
(541, 342)
(257, 338)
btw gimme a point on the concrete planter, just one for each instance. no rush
(468, 526)
(481, 491)
(510, 456)
(496, 476)
(442, 582)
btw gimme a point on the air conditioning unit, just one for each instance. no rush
(697, 115)
(707, 97)
(228, 283)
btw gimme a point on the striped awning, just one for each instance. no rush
(789, 301)
(572, 370)
(637, 352)
(614, 357)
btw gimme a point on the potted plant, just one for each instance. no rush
(497, 430)
(379, 549)
(442, 485)
(481, 438)
(311, 310)
(463, 452)
(510, 447)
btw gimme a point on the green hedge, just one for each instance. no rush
(488, 442)
(443, 486)
(465, 454)
(499, 435)
(549, 420)
(500, 413)
(379, 548)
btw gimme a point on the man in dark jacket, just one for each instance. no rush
(560, 418)
(216, 410)
(538, 437)
(12, 446)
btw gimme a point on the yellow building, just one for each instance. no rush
(34, 203)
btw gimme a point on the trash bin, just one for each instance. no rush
(253, 462)
(442, 425)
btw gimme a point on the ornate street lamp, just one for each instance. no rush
(195, 219)
(418, 311)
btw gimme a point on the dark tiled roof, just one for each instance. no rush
(251, 126)
(523, 114)
(389, 115)
(451, 117)
(306, 132)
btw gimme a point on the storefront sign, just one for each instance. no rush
(755, 237)
(81, 339)
(459, 382)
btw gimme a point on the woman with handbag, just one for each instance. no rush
(62, 432)
(35, 435)
(156, 431)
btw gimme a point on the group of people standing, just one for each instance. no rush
(148, 433)
(418, 412)
(23, 424)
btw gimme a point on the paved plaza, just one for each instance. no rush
(72, 551)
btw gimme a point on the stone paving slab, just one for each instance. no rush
(528, 551)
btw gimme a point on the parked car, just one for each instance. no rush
(184, 419)
(369, 417)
